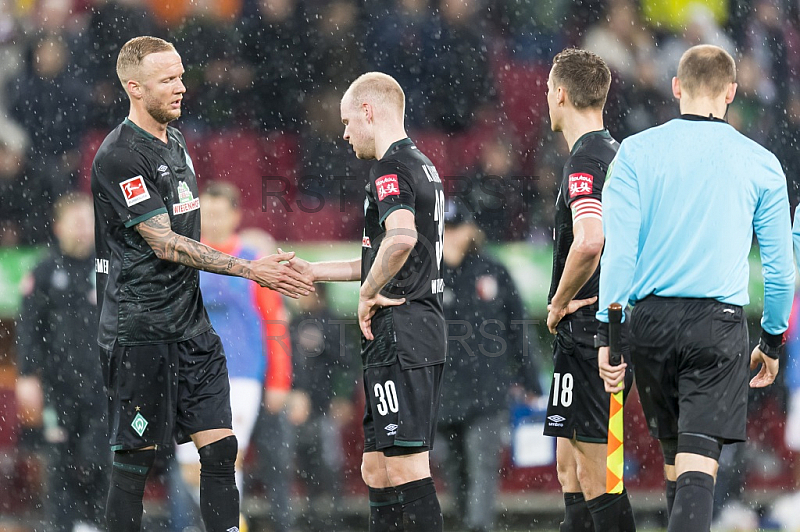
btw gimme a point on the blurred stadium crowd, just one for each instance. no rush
(264, 79)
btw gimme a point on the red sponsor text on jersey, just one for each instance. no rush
(387, 186)
(134, 190)
(183, 208)
(580, 184)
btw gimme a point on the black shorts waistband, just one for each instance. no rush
(660, 299)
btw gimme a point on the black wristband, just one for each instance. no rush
(601, 338)
(771, 344)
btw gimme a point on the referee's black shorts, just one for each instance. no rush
(691, 359)
(161, 392)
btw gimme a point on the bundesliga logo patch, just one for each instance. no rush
(134, 190)
(580, 184)
(387, 186)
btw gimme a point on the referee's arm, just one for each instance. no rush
(621, 225)
(772, 226)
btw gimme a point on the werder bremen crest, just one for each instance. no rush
(184, 194)
(139, 424)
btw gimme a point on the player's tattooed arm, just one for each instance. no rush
(271, 272)
(168, 245)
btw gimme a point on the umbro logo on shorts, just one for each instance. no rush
(233, 529)
(391, 429)
(556, 420)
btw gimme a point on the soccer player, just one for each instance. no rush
(681, 203)
(577, 413)
(163, 364)
(400, 306)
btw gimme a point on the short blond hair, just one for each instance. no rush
(378, 89)
(706, 70)
(133, 53)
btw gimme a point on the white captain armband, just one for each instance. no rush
(587, 208)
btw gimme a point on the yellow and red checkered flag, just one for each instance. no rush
(615, 460)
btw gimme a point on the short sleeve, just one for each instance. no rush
(126, 178)
(393, 187)
(584, 179)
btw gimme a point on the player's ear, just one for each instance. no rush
(561, 96)
(676, 87)
(731, 94)
(134, 89)
(367, 110)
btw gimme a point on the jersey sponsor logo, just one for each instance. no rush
(187, 201)
(580, 184)
(387, 186)
(134, 190)
(139, 424)
(101, 265)
(365, 243)
(183, 208)
(163, 169)
(391, 429)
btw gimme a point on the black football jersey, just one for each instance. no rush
(406, 179)
(584, 176)
(143, 299)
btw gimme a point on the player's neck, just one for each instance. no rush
(578, 124)
(148, 123)
(384, 139)
(715, 107)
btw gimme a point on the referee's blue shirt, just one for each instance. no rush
(679, 209)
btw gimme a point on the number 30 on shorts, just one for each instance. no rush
(386, 395)
(562, 389)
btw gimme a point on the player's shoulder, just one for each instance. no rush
(119, 148)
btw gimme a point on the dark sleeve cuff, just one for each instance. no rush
(771, 344)
(601, 338)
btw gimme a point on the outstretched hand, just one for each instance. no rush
(367, 307)
(276, 273)
(769, 369)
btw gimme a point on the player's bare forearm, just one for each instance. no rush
(393, 253)
(578, 269)
(333, 271)
(582, 260)
(168, 245)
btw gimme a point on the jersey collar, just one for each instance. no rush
(698, 118)
(142, 132)
(397, 145)
(582, 138)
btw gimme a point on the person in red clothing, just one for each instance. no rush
(255, 353)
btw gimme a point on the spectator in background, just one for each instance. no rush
(51, 105)
(245, 316)
(319, 406)
(110, 22)
(394, 44)
(20, 189)
(60, 386)
(335, 43)
(497, 193)
(274, 43)
(456, 74)
(488, 354)
(218, 79)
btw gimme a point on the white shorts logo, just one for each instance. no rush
(556, 420)
(391, 429)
